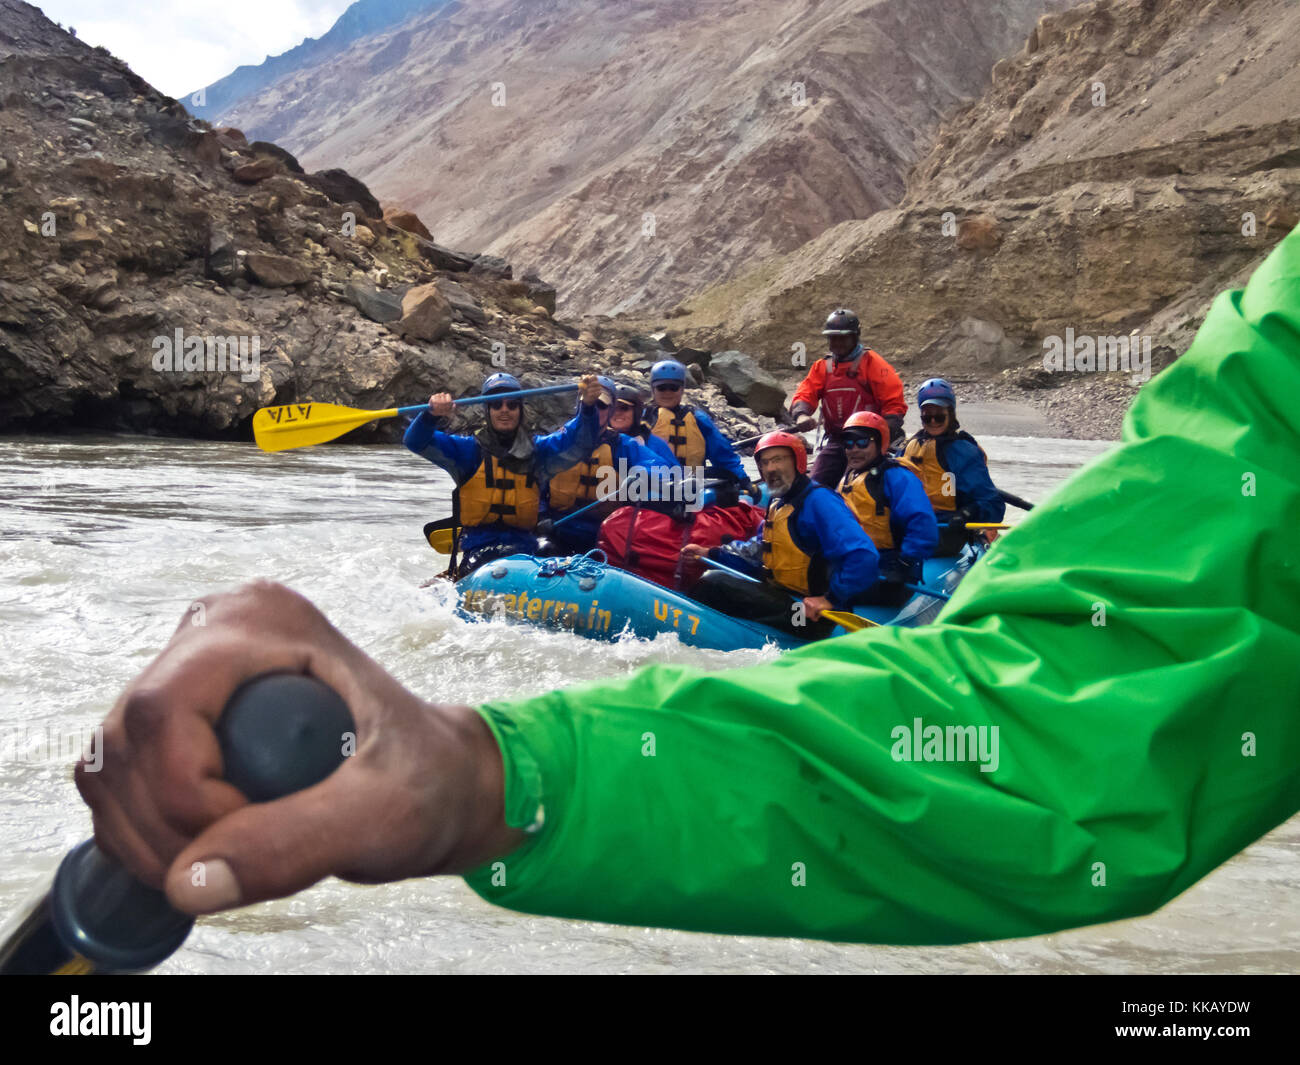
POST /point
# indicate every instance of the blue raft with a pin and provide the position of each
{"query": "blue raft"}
(585, 595)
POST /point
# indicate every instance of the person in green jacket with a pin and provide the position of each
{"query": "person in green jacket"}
(1104, 713)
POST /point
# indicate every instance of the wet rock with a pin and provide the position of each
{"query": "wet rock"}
(745, 383)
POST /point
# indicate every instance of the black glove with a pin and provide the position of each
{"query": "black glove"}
(545, 527)
(960, 518)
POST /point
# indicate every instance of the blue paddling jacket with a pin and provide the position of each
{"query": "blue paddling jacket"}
(825, 529)
(538, 458)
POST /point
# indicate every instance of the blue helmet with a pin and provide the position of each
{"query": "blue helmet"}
(501, 382)
(668, 370)
(936, 390)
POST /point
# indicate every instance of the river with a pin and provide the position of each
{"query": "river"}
(107, 541)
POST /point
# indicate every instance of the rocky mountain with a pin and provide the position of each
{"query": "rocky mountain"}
(1134, 158)
(634, 151)
(160, 275)
(361, 19)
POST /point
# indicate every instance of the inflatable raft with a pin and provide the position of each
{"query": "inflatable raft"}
(585, 595)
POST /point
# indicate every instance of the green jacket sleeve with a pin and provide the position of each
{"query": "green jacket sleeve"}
(1106, 710)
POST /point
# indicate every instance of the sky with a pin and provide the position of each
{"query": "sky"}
(178, 47)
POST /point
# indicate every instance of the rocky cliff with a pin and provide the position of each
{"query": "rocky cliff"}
(159, 275)
(1133, 159)
(635, 151)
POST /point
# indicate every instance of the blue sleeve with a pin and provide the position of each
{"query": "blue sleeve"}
(851, 558)
(572, 443)
(635, 453)
(911, 508)
(744, 556)
(660, 447)
(717, 448)
(458, 455)
(974, 485)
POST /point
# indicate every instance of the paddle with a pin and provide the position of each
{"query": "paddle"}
(278, 734)
(850, 621)
(441, 534)
(1015, 501)
(305, 424)
(978, 525)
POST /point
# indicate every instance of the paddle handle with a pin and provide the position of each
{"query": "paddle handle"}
(279, 733)
(470, 401)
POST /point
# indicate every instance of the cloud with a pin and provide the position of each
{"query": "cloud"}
(179, 47)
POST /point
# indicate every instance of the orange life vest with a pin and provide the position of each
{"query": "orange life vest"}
(495, 496)
(927, 455)
(864, 492)
(578, 484)
(785, 561)
(677, 427)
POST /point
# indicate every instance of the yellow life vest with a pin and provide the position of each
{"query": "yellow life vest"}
(578, 484)
(495, 496)
(926, 456)
(865, 496)
(677, 427)
(785, 561)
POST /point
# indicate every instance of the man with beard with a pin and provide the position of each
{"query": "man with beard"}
(500, 469)
(811, 549)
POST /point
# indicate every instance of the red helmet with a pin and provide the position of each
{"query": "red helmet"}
(869, 419)
(779, 439)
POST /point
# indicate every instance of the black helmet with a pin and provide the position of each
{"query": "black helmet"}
(842, 322)
(632, 395)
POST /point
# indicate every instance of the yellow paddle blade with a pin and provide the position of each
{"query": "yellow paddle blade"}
(986, 525)
(440, 540)
(849, 621)
(304, 424)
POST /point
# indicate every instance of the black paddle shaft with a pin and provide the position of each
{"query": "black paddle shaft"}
(279, 733)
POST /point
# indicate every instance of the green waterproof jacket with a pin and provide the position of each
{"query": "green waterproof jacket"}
(1106, 711)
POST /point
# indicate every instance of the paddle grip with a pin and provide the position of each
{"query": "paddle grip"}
(279, 733)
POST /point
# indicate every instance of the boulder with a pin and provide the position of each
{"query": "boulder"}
(407, 220)
(462, 302)
(426, 314)
(379, 305)
(980, 233)
(492, 266)
(221, 263)
(276, 271)
(257, 170)
(444, 258)
(540, 292)
(745, 383)
(231, 137)
(693, 356)
(342, 187)
(276, 152)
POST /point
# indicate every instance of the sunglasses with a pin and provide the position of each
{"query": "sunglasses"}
(668, 388)
(601, 405)
(625, 405)
(934, 419)
(509, 404)
(858, 441)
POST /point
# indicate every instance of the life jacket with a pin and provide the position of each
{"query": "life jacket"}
(679, 429)
(577, 485)
(846, 391)
(864, 492)
(785, 561)
(928, 454)
(495, 495)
